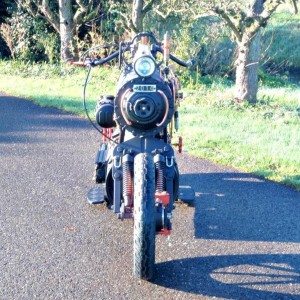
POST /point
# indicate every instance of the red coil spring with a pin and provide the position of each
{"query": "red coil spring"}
(128, 183)
(160, 178)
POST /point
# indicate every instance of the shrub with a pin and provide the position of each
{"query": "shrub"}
(28, 38)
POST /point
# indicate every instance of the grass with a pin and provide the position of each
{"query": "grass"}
(263, 139)
(55, 86)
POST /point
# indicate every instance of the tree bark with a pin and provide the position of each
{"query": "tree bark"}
(137, 16)
(248, 56)
(48, 13)
(247, 68)
(66, 29)
(295, 6)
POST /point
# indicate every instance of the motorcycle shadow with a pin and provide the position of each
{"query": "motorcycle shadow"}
(233, 206)
(234, 276)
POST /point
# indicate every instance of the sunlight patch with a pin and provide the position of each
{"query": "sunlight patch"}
(246, 179)
(271, 277)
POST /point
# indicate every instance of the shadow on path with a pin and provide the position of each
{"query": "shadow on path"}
(18, 117)
(241, 207)
(234, 276)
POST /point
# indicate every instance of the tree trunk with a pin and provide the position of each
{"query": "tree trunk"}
(248, 57)
(247, 68)
(295, 6)
(66, 29)
(137, 16)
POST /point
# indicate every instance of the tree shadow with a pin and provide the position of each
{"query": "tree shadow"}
(19, 118)
(234, 276)
(239, 206)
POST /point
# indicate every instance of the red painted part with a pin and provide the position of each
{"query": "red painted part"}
(165, 232)
(180, 144)
(107, 133)
(144, 40)
(163, 198)
(78, 63)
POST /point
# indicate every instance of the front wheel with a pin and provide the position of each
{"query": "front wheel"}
(144, 216)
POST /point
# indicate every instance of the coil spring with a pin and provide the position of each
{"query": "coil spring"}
(160, 178)
(128, 182)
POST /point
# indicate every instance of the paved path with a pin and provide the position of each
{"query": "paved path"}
(240, 241)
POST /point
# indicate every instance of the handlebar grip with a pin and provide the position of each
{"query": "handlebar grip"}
(98, 62)
(179, 61)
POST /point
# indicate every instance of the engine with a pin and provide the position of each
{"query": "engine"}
(143, 106)
(144, 103)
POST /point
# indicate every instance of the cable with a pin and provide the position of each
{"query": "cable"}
(85, 107)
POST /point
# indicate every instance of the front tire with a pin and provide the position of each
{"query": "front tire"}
(144, 216)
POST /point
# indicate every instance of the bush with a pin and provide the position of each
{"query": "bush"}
(281, 43)
(205, 39)
(29, 38)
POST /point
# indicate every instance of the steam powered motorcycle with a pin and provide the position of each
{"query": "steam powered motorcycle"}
(136, 161)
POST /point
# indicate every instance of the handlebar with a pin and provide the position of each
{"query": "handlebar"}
(155, 47)
(98, 62)
(180, 62)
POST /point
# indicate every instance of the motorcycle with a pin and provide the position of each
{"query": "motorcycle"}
(136, 162)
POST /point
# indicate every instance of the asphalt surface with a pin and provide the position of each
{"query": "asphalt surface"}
(240, 241)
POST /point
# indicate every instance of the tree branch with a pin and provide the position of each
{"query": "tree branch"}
(229, 22)
(29, 6)
(295, 6)
(148, 6)
(169, 12)
(49, 15)
(81, 5)
(161, 14)
(270, 8)
(266, 14)
(127, 22)
(85, 12)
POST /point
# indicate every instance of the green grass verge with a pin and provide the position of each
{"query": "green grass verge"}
(55, 86)
(263, 139)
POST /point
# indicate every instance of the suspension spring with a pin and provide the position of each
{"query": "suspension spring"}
(160, 173)
(127, 167)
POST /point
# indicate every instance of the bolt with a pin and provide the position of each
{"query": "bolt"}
(117, 175)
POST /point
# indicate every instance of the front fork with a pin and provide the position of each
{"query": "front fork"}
(164, 187)
(164, 198)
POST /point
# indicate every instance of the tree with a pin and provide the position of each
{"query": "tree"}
(66, 29)
(295, 6)
(245, 23)
(6, 6)
(66, 17)
(132, 13)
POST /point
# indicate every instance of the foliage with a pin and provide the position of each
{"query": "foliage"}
(29, 39)
(281, 43)
(195, 33)
(274, 81)
(215, 50)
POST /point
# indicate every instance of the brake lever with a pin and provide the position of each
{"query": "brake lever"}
(78, 63)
